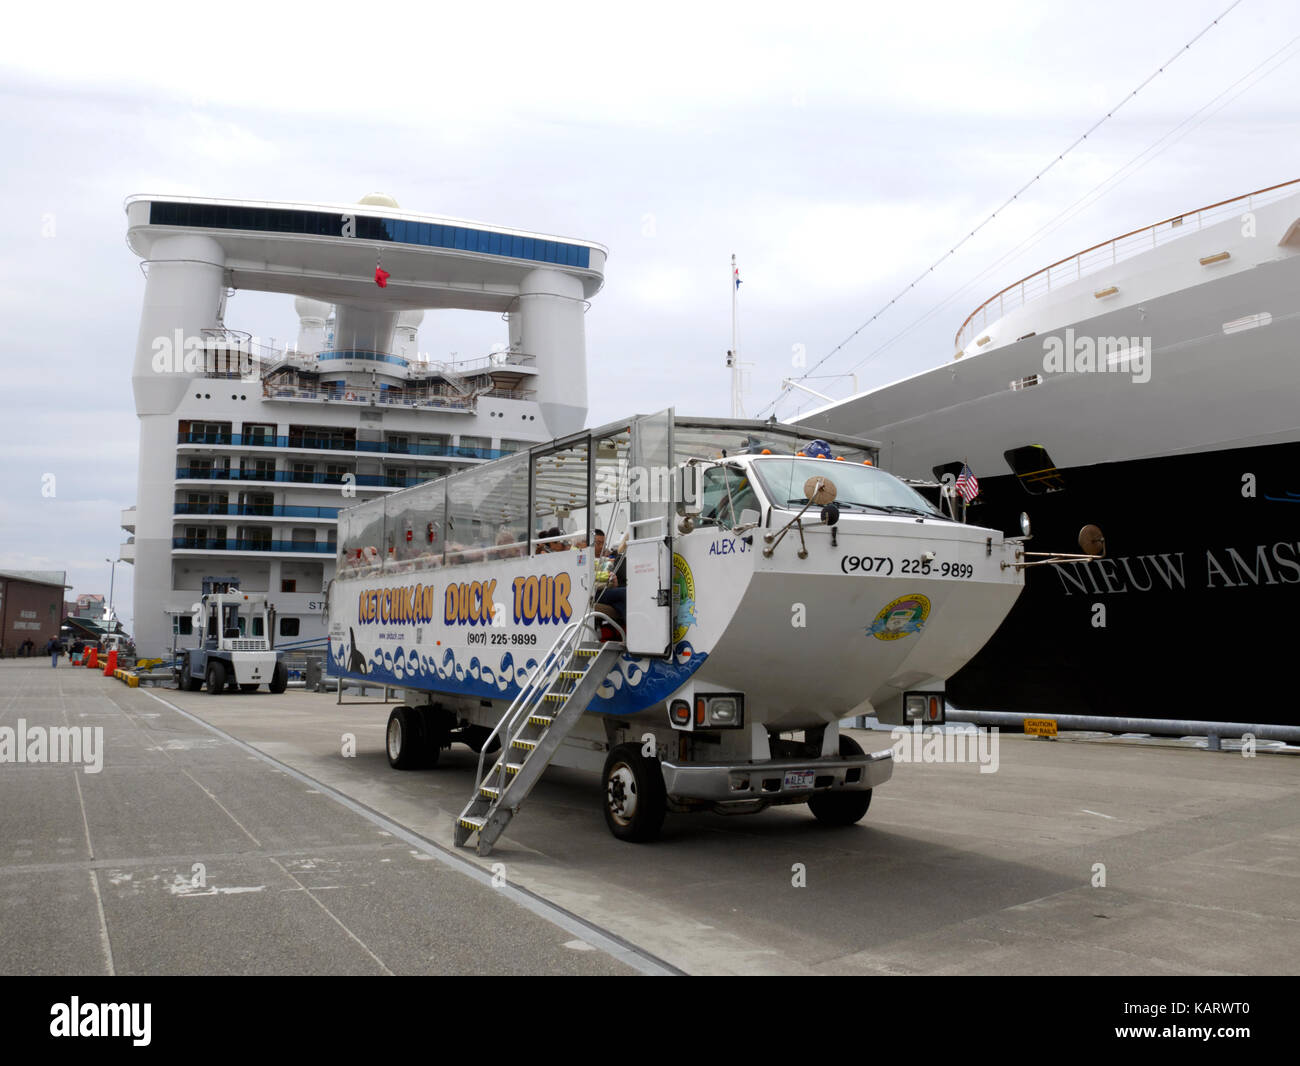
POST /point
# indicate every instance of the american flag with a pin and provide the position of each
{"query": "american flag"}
(968, 487)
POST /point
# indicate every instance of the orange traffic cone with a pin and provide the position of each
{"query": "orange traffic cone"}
(92, 662)
(111, 665)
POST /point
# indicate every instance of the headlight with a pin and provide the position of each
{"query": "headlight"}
(725, 711)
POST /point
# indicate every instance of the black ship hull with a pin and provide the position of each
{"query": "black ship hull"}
(1191, 614)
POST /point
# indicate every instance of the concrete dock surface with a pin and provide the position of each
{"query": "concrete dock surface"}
(231, 835)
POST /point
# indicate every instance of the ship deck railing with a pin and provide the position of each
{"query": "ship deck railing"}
(1108, 253)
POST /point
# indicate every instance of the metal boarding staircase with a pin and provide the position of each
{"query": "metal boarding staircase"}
(533, 727)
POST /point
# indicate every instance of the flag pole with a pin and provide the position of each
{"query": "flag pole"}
(734, 361)
(965, 465)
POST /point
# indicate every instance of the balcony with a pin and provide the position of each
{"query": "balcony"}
(233, 544)
(442, 399)
(128, 519)
(368, 447)
(255, 510)
(379, 481)
(126, 552)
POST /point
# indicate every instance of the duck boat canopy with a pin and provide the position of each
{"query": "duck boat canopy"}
(688, 606)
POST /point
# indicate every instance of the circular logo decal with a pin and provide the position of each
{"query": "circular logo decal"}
(683, 598)
(905, 615)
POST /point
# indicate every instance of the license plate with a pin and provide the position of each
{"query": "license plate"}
(798, 779)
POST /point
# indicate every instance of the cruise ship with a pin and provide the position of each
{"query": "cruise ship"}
(247, 452)
(1148, 385)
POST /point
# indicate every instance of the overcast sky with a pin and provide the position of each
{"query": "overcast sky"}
(837, 151)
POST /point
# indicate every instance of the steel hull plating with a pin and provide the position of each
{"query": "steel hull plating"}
(1188, 617)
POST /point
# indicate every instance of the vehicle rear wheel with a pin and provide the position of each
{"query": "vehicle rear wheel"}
(279, 678)
(841, 808)
(404, 739)
(635, 800)
(216, 679)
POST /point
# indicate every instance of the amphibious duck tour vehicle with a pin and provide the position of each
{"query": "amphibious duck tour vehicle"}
(768, 585)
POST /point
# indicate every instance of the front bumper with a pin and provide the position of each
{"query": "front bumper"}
(727, 782)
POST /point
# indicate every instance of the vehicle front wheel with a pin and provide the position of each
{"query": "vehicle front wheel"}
(216, 679)
(635, 800)
(279, 678)
(841, 808)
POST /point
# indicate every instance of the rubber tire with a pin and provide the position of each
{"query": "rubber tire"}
(841, 808)
(474, 737)
(248, 688)
(404, 726)
(279, 678)
(193, 684)
(431, 744)
(216, 678)
(651, 799)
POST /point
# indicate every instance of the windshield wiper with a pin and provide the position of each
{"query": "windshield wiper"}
(898, 508)
(887, 508)
(891, 508)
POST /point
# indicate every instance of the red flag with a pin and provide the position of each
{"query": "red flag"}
(381, 277)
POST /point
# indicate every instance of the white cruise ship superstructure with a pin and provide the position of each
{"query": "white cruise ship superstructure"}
(247, 453)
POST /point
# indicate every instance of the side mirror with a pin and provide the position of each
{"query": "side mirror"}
(749, 517)
(830, 514)
(819, 491)
(1091, 541)
(1024, 524)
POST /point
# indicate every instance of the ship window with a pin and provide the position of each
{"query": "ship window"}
(288, 585)
(1035, 470)
(288, 627)
(368, 228)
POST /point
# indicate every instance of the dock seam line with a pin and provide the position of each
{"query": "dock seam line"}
(608, 942)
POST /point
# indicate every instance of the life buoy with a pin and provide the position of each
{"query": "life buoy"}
(349, 396)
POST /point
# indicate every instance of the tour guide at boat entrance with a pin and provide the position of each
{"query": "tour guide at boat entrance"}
(685, 606)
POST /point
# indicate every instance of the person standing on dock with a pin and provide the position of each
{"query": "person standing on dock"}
(52, 649)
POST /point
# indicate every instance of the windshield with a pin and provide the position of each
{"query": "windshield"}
(857, 486)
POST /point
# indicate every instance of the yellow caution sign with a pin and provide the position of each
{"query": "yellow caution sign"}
(1040, 727)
